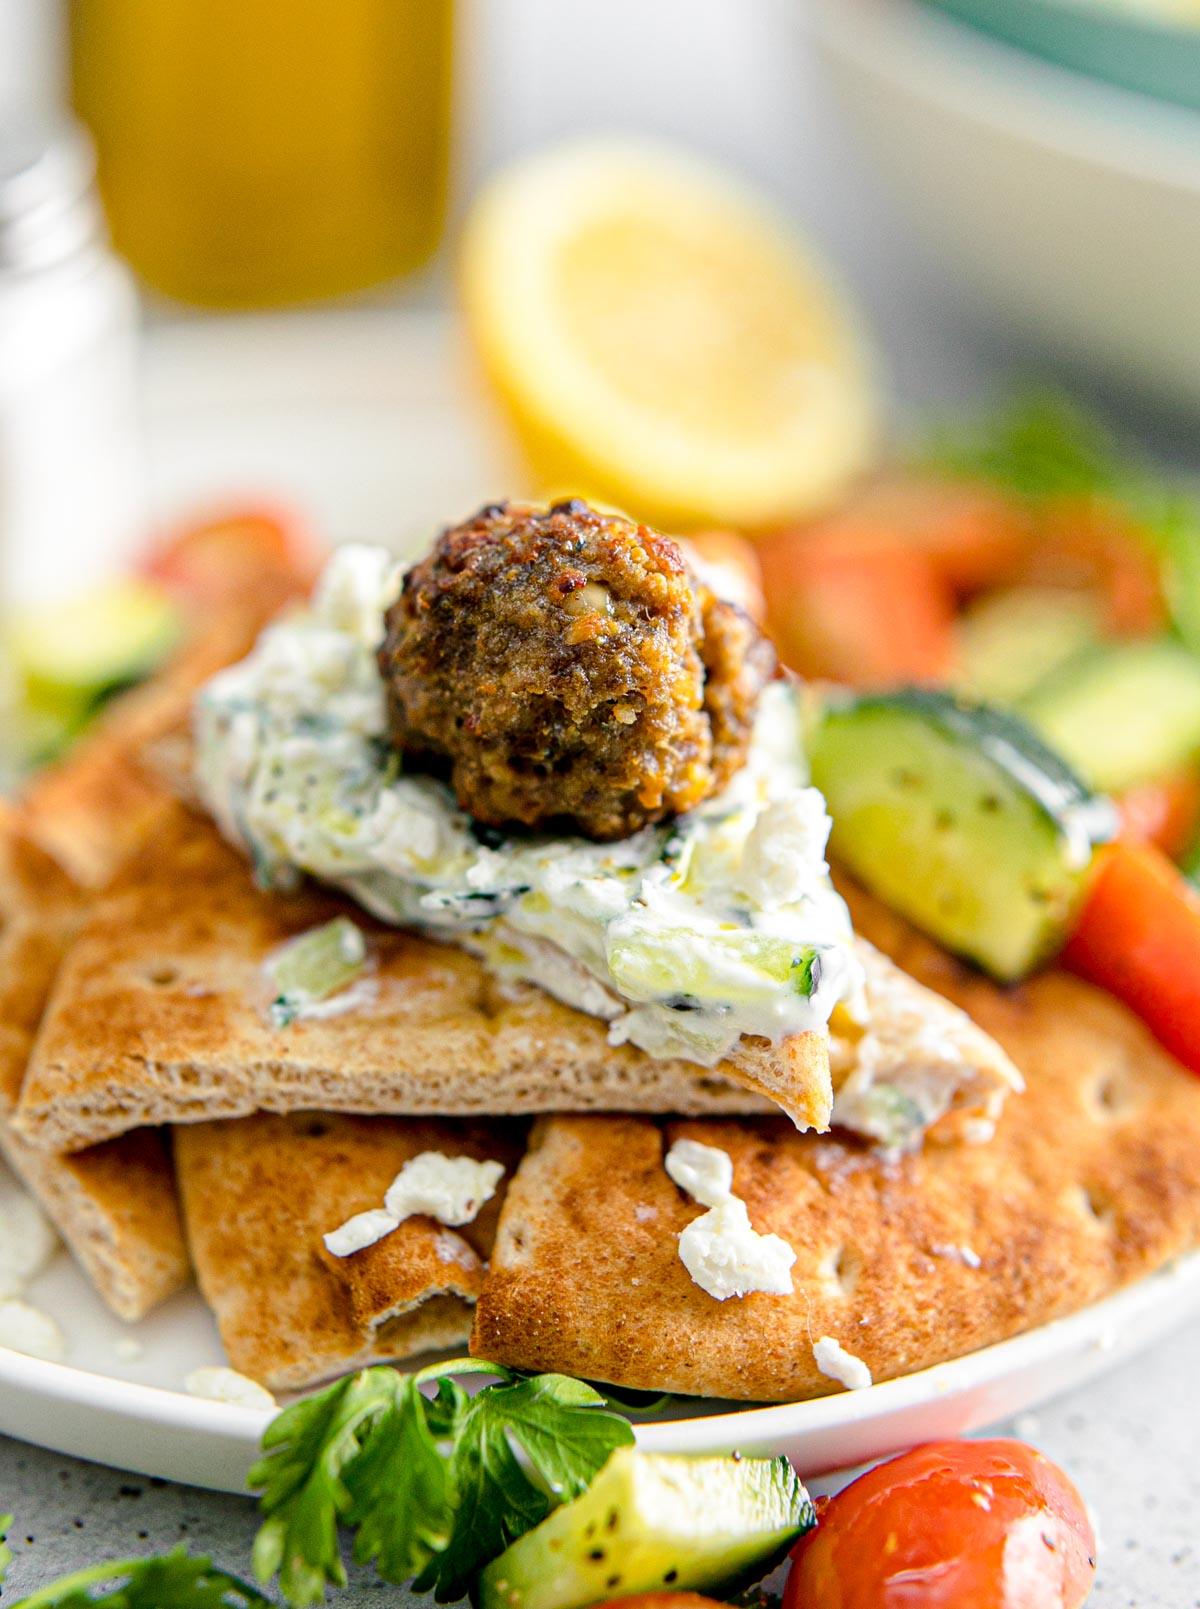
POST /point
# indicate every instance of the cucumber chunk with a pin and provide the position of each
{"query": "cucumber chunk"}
(69, 655)
(960, 818)
(1010, 642)
(654, 1523)
(1124, 714)
(315, 965)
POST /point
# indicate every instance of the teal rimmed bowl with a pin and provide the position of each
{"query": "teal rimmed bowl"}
(1152, 50)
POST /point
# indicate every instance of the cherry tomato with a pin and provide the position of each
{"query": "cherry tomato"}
(237, 552)
(952, 1525)
(664, 1600)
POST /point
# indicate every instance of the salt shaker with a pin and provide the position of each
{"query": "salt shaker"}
(71, 460)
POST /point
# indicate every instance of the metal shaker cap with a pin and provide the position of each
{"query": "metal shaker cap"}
(48, 204)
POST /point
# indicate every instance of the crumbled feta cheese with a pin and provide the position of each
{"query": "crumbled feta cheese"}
(785, 853)
(834, 1361)
(363, 1230)
(29, 1330)
(704, 1171)
(958, 1254)
(644, 1213)
(449, 1188)
(720, 1250)
(227, 1385)
(726, 1257)
(27, 1238)
(128, 1348)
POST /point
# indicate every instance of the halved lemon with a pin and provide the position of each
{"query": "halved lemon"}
(662, 339)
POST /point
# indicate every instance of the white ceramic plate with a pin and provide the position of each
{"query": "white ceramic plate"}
(362, 421)
(1071, 206)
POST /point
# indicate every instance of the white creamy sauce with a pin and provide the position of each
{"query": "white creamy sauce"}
(836, 1363)
(919, 1057)
(721, 1250)
(451, 1189)
(684, 937)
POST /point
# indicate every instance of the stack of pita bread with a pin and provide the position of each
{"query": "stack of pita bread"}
(167, 1125)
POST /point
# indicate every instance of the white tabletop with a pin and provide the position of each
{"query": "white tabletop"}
(734, 78)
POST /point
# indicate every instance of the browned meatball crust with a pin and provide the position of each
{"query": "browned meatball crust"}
(571, 670)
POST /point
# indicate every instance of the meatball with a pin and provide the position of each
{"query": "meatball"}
(570, 671)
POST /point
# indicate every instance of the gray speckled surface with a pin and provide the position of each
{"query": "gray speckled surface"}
(1129, 1441)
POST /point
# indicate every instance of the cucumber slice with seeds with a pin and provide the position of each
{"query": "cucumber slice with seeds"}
(653, 1523)
(959, 817)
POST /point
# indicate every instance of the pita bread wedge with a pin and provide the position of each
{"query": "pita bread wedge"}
(160, 1016)
(1092, 1179)
(114, 1205)
(260, 1193)
(100, 802)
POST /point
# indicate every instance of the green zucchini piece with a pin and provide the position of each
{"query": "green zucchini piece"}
(959, 817)
(70, 655)
(651, 1522)
(315, 965)
(1010, 642)
(1123, 714)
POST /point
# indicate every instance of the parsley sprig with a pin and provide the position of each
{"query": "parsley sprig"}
(172, 1581)
(434, 1485)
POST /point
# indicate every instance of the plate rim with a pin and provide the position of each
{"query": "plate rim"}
(1087, 1329)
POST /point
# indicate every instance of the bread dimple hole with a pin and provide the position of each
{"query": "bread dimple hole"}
(842, 1265)
(1112, 1095)
(1096, 1205)
(163, 977)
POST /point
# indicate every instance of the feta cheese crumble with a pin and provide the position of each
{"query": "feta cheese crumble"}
(451, 1189)
(834, 1361)
(218, 1384)
(27, 1329)
(27, 1238)
(721, 1251)
(359, 1232)
(966, 1255)
(704, 1171)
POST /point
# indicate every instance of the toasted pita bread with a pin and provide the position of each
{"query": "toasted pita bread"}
(114, 1205)
(1092, 1179)
(258, 1196)
(160, 1016)
(101, 801)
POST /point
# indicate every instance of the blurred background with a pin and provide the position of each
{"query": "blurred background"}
(893, 305)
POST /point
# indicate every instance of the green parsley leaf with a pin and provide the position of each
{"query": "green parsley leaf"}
(502, 1495)
(1037, 446)
(6, 1552)
(174, 1581)
(433, 1486)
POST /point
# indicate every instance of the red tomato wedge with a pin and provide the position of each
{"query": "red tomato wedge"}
(1093, 543)
(1165, 813)
(973, 534)
(215, 560)
(1138, 936)
(952, 1525)
(861, 608)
